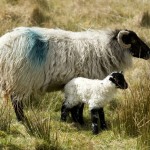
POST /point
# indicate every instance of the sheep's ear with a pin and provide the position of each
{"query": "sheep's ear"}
(121, 72)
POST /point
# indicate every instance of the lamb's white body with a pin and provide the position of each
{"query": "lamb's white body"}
(96, 93)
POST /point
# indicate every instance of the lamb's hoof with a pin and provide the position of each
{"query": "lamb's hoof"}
(104, 127)
(63, 119)
(95, 132)
(81, 123)
(95, 129)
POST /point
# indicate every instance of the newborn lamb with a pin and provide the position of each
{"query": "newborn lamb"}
(96, 93)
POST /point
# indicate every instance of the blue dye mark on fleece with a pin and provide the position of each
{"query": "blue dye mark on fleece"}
(37, 47)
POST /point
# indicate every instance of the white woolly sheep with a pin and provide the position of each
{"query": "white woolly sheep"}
(39, 59)
(96, 93)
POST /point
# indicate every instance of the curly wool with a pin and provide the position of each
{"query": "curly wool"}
(96, 93)
(33, 59)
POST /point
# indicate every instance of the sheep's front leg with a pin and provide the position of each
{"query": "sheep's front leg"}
(94, 118)
(64, 112)
(18, 107)
(102, 119)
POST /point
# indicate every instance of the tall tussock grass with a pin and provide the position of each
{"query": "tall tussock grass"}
(39, 126)
(133, 115)
(38, 119)
(37, 16)
(144, 19)
(44, 4)
(39, 13)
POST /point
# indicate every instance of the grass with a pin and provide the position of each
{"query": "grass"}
(127, 116)
(133, 115)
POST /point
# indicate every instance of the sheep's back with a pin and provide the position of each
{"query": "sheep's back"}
(34, 59)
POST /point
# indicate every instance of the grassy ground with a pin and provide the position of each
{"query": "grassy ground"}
(127, 116)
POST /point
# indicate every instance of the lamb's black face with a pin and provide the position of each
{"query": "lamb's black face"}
(118, 79)
(138, 48)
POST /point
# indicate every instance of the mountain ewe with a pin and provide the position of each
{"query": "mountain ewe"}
(96, 93)
(39, 59)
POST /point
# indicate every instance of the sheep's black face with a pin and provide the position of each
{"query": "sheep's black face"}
(118, 79)
(138, 48)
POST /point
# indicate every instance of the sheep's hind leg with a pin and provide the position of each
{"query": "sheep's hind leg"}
(94, 118)
(64, 112)
(102, 119)
(18, 107)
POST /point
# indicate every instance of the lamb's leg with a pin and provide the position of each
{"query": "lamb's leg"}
(18, 107)
(94, 118)
(64, 112)
(74, 113)
(102, 119)
(77, 113)
(80, 113)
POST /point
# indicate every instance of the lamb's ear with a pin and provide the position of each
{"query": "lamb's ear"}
(122, 35)
(121, 72)
(112, 80)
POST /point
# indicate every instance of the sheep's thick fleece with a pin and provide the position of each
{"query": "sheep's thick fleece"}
(96, 93)
(37, 59)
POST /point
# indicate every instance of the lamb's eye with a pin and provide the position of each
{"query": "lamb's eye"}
(133, 41)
